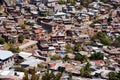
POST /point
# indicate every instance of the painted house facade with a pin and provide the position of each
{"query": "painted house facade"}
(6, 59)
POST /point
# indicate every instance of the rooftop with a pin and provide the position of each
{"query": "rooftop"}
(5, 54)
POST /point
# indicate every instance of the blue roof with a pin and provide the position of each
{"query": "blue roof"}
(5, 54)
(62, 52)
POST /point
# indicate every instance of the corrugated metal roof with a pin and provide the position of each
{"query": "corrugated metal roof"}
(5, 54)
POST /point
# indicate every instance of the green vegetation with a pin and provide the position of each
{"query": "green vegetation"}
(51, 76)
(66, 58)
(14, 49)
(109, 19)
(77, 48)
(68, 48)
(102, 37)
(25, 75)
(55, 57)
(4, 23)
(81, 58)
(61, 2)
(96, 56)
(20, 69)
(11, 48)
(2, 40)
(85, 70)
(114, 75)
(70, 76)
(72, 2)
(40, 66)
(95, 21)
(22, 26)
(104, 1)
(30, 23)
(116, 43)
(34, 76)
(86, 2)
(0, 14)
(21, 38)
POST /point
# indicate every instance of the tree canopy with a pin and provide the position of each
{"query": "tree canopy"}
(25, 75)
(72, 2)
(34, 76)
(66, 58)
(49, 75)
(14, 49)
(68, 48)
(116, 43)
(81, 58)
(103, 38)
(61, 2)
(22, 26)
(85, 70)
(21, 38)
(85, 2)
(77, 48)
(96, 56)
(104, 0)
(114, 75)
(2, 40)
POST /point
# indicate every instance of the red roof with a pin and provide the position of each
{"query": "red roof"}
(37, 31)
(97, 62)
(53, 65)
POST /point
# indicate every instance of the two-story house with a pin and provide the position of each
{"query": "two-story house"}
(6, 59)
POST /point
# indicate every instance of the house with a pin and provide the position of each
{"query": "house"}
(60, 14)
(11, 75)
(48, 2)
(6, 59)
(30, 63)
(113, 52)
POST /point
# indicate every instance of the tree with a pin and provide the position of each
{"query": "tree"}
(85, 2)
(58, 76)
(25, 75)
(109, 19)
(77, 48)
(68, 48)
(81, 58)
(85, 70)
(71, 1)
(40, 65)
(21, 38)
(114, 76)
(48, 75)
(20, 69)
(66, 58)
(116, 43)
(51, 76)
(14, 49)
(34, 76)
(30, 23)
(70, 76)
(55, 57)
(61, 2)
(2, 40)
(22, 26)
(4, 23)
(104, 1)
(97, 56)
(102, 37)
